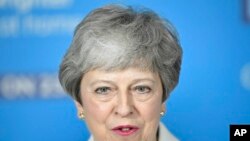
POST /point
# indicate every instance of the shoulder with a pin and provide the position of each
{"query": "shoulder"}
(165, 134)
(91, 138)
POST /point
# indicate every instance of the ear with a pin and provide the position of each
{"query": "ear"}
(163, 107)
(79, 107)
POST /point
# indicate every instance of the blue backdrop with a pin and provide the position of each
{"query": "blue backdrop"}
(214, 88)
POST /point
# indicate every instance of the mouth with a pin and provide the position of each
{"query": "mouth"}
(125, 130)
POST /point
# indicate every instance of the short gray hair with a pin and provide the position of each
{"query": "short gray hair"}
(116, 37)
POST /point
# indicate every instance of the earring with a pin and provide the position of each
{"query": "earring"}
(81, 116)
(162, 113)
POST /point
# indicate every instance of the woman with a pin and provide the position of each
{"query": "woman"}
(120, 69)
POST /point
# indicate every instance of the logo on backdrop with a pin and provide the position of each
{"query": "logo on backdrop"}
(15, 86)
(36, 17)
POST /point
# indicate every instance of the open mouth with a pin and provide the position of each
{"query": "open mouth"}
(125, 130)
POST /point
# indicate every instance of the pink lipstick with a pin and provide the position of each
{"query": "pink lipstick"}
(125, 130)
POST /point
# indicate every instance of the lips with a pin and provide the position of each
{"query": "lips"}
(125, 130)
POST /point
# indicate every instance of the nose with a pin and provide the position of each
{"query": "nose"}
(125, 105)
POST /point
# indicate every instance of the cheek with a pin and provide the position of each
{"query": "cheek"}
(96, 115)
(150, 111)
(95, 110)
(152, 108)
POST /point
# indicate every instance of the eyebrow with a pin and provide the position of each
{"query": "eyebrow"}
(144, 79)
(101, 81)
(113, 83)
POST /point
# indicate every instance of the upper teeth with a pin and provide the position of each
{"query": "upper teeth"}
(125, 129)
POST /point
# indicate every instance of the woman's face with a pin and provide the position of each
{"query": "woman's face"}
(122, 105)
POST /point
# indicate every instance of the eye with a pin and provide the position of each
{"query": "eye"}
(142, 89)
(102, 90)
